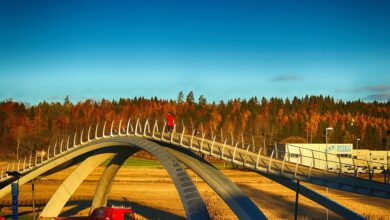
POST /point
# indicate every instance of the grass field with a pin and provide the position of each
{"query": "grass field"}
(147, 163)
(147, 188)
(139, 162)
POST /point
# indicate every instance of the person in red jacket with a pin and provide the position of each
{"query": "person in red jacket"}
(170, 122)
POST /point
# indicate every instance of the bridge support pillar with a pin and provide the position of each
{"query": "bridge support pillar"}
(104, 186)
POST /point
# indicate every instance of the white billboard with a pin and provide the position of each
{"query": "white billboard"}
(339, 148)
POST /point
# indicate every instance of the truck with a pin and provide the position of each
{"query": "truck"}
(105, 213)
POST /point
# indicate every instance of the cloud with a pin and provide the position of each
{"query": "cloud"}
(375, 88)
(378, 97)
(380, 92)
(378, 88)
(283, 78)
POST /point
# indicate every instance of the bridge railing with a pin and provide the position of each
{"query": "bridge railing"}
(243, 155)
(312, 158)
(320, 160)
(236, 150)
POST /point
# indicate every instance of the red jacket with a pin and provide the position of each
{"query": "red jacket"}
(170, 120)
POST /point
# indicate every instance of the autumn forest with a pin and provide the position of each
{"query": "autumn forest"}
(25, 128)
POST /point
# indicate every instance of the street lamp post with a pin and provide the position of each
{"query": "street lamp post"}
(357, 143)
(33, 198)
(326, 157)
(353, 127)
(326, 144)
(326, 136)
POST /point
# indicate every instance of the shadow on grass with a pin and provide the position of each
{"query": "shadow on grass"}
(282, 207)
(145, 211)
(357, 198)
(22, 215)
(81, 204)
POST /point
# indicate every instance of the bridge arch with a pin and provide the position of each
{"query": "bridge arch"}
(240, 204)
(228, 191)
(231, 194)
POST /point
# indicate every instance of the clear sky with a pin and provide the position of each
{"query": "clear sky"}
(221, 49)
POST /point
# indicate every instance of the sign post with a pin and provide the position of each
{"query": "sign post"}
(15, 192)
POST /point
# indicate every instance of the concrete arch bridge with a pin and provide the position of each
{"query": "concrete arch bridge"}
(118, 140)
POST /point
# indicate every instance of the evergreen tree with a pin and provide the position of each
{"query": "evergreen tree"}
(66, 100)
(190, 97)
(202, 100)
(180, 98)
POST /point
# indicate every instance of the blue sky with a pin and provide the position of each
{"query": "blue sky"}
(221, 49)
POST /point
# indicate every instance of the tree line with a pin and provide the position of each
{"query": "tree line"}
(25, 128)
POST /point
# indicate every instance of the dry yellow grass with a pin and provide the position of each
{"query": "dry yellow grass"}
(152, 195)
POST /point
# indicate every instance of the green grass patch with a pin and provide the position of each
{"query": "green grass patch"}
(147, 163)
(139, 162)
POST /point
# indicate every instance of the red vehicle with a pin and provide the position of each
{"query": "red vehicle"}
(105, 213)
